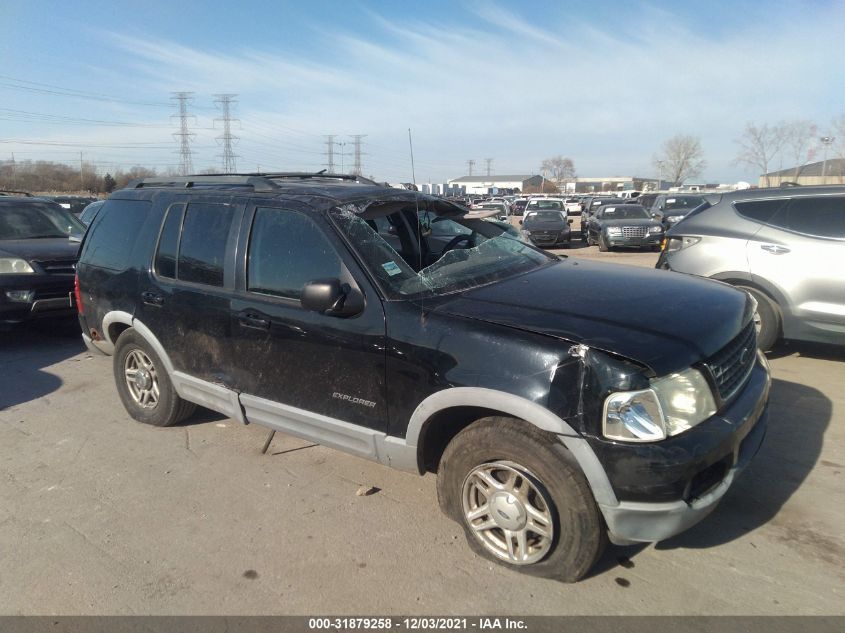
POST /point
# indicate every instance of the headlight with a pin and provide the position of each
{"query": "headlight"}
(14, 266)
(671, 219)
(680, 243)
(614, 230)
(655, 229)
(671, 406)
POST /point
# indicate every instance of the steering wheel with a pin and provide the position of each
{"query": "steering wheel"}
(453, 243)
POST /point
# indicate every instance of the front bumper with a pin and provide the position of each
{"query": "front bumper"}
(699, 466)
(53, 297)
(551, 239)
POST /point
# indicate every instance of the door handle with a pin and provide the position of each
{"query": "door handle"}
(152, 298)
(250, 319)
(775, 249)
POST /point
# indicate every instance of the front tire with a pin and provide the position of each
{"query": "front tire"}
(143, 384)
(603, 245)
(521, 499)
(767, 319)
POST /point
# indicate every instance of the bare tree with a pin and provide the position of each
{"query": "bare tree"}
(681, 158)
(798, 137)
(560, 169)
(759, 145)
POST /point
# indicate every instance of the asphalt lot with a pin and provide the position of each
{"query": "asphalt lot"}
(102, 515)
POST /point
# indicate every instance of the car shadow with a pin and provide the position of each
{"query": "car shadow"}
(821, 351)
(798, 418)
(25, 350)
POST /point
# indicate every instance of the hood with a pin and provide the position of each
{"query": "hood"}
(631, 222)
(545, 224)
(43, 249)
(664, 320)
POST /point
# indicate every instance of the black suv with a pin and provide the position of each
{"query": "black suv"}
(551, 424)
(37, 259)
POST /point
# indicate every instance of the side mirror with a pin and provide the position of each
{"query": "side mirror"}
(520, 221)
(331, 297)
(569, 221)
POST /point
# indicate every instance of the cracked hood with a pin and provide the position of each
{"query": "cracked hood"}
(666, 321)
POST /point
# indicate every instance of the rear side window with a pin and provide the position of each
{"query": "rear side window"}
(165, 262)
(115, 231)
(287, 250)
(822, 216)
(202, 252)
(762, 211)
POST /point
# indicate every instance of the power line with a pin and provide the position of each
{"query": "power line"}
(226, 101)
(186, 164)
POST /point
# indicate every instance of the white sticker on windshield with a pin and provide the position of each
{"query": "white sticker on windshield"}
(391, 268)
(670, 201)
(609, 209)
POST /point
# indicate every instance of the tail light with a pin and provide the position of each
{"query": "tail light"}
(77, 295)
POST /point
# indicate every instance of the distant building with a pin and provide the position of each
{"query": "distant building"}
(616, 183)
(493, 184)
(829, 172)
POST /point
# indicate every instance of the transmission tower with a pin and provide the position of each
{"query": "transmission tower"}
(356, 139)
(330, 153)
(186, 164)
(470, 165)
(489, 162)
(227, 139)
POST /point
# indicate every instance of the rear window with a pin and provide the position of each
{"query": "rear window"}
(114, 232)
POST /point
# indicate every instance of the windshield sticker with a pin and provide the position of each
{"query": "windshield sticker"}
(391, 268)
(610, 209)
(670, 201)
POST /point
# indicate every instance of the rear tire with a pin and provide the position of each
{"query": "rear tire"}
(521, 499)
(767, 319)
(143, 384)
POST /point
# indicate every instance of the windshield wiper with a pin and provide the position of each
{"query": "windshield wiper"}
(39, 237)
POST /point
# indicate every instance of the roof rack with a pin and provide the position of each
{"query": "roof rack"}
(12, 192)
(258, 181)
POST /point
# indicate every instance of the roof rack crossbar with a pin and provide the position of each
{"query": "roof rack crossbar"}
(12, 192)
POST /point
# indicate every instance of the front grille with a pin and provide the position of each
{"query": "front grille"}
(58, 266)
(634, 231)
(732, 364)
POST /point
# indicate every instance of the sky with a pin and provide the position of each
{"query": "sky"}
(604, 83)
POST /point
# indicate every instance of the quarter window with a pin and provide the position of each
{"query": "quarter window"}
(822, 216)
(202, 251)
(763, 211)
(115, 233)
(286, 251)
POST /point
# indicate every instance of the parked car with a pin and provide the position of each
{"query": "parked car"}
(551, 423)
(598, 203)
(518, 206)
(501, 207)
(74, 204)
(669, 209)
(785, 247)
(547, 228)
(573, 206)
(90, 212)
(544, 204)
(627, 225)
(36, 259)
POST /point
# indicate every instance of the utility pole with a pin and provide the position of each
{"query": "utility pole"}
(827, 141)
(470, 165)
(356, 139)
(14, 173)
(489, 162)
(227, 139)
(186, 163)
(330, 153)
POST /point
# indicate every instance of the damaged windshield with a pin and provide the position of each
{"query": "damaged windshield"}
(417, 253)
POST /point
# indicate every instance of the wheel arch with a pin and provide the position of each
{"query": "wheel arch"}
(443, 414)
